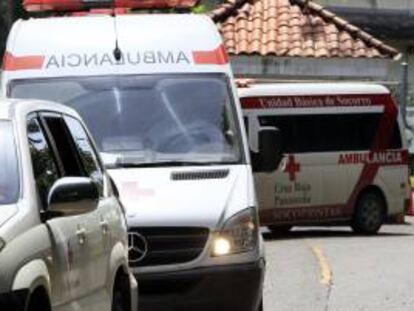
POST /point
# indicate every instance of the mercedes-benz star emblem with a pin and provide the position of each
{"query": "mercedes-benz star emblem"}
(137, 247)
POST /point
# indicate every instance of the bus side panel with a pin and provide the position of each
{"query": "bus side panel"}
(393, 181)
(330, 159)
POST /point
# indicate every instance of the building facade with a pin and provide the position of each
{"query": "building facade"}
(389, 20)
(295, 40)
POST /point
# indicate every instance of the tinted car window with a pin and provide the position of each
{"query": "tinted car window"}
(86, 151)
(9, 174)
(329, 133)
(396, 142)
(44, 166)
(64, 146)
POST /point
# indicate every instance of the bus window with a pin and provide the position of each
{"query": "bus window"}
(328, 133)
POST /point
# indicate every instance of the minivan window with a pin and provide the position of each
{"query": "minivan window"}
(45, 169)
(86, 152)
(9, 173)
(150, 119)
(329, 133)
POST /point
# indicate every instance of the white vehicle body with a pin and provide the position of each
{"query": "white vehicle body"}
(340, 141)
(57, 254)
(179, 203)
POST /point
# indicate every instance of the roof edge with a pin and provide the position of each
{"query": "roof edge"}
(231, 7)
(352, 29)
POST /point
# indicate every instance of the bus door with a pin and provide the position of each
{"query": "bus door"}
(293, 193)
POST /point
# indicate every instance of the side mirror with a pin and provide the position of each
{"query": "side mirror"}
(72, 196)
(270, 152)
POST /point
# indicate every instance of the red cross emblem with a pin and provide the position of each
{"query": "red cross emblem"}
(292, 168)
(133, 191)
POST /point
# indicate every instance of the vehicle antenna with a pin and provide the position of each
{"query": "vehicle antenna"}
(117, 51)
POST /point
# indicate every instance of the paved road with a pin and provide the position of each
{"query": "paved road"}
(331, 269)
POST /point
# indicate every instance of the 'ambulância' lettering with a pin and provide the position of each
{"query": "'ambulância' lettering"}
(95, 60)
(371, 158)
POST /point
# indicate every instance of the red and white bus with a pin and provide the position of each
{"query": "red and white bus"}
(344, 155)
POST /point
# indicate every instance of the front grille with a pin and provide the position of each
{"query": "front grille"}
(166, 245)
(198, 175)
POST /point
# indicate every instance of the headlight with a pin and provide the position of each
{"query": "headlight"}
(2, 244)
(238, 235)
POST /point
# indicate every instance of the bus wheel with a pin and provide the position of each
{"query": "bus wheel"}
(369, 214)
(279, 229)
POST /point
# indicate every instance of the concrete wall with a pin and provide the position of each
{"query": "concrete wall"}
(313, 68)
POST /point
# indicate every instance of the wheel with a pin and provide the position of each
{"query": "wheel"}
(369, 214)
(38, 301)
(121, 298)
(279, 229)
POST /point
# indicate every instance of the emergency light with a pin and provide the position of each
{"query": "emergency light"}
(82, 5)
(117, 11)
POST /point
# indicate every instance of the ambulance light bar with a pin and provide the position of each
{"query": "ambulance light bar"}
(80, 5)
(117, 11)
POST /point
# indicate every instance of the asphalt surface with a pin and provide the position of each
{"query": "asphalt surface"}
(330, 268)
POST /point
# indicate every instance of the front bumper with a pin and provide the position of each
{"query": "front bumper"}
(222, 288)
(15, 300)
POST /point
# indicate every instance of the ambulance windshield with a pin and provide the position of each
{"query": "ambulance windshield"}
(9, 176)
(150, 119)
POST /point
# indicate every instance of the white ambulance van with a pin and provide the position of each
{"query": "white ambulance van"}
(158, 95)
(344, 156)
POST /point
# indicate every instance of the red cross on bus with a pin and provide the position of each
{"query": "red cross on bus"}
(292, 167)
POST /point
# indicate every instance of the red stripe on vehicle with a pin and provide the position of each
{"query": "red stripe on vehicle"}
(215, 57)
(304, 214)
(52, 5)
(314, 101)
(15, 63)
(79, 5)
(381, 142)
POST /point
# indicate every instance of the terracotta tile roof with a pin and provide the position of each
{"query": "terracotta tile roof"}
(288, 28)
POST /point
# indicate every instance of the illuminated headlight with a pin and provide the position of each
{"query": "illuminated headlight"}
(238, 235)
(2, 244)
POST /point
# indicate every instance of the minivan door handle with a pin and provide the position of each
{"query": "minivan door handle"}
(283, 163)
(81, 234)
(104, 226)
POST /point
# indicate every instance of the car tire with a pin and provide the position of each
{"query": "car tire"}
(121, 297)
(369, 213)
(279, 229)
(38, 301)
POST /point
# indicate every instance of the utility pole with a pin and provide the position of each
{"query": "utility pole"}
(404, 87)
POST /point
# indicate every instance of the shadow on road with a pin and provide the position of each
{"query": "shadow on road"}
(306, 233)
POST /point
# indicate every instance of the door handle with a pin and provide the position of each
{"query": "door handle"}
(282, 165)
(81, 234)
(104, 227)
